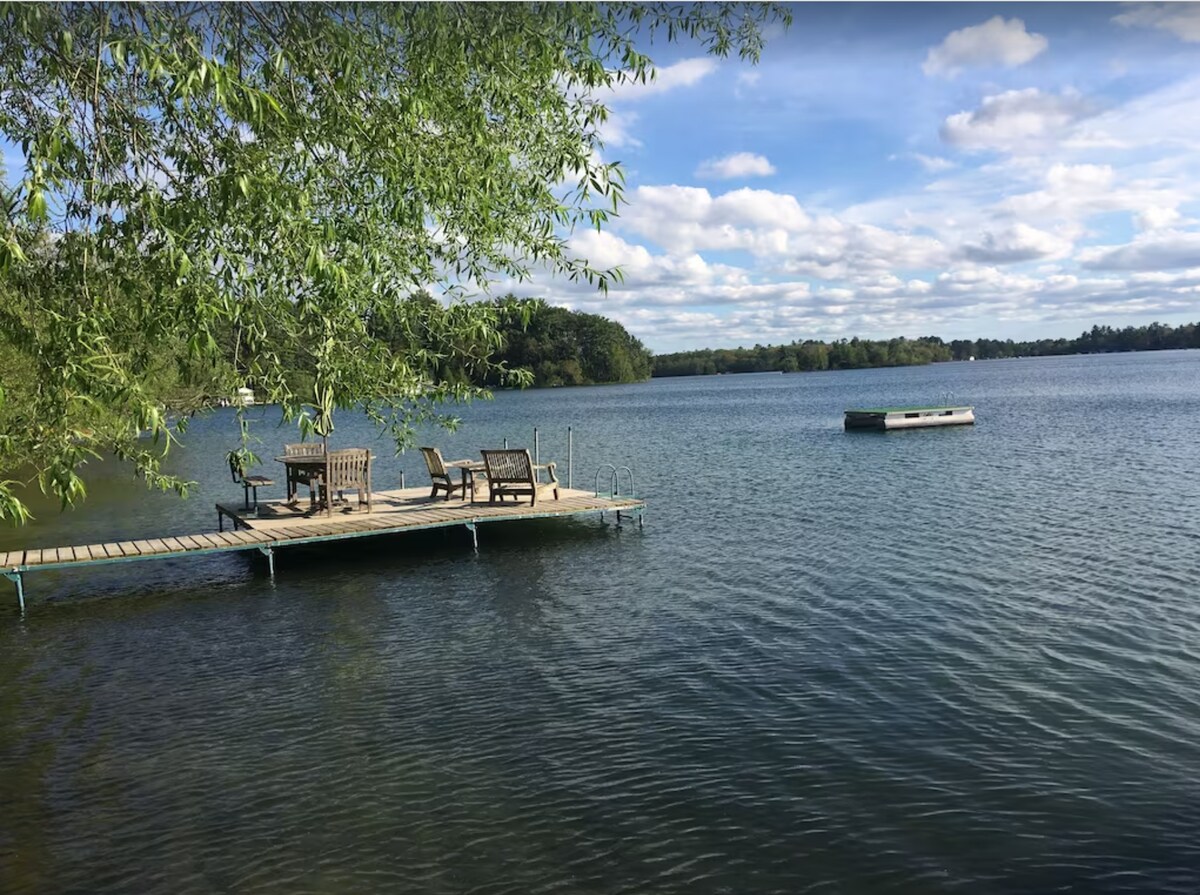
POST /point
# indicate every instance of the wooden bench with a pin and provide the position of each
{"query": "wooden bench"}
(512, 473)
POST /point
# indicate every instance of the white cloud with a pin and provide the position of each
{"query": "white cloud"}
(934, 164)
(684, 73)
(1153, 251)
(1164, 118)
(1020, 242)
(997, 41)
(1075, 192)
(740, 164)
(616, 131)
(1016, 120)
(1181, 19)
(1157, 217)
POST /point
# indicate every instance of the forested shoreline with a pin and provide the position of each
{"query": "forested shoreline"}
(851, 354)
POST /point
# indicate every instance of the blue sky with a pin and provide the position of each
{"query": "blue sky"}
(962, 170)
(1008, 170)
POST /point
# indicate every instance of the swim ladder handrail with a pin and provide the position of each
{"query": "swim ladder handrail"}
(614, 481)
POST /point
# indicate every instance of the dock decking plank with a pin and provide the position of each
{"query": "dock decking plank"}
(13, 558)
(293, 533)
(243, 537)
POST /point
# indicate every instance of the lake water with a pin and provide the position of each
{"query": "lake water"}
(960, 660)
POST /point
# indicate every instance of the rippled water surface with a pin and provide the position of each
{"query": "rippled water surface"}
(957, 660)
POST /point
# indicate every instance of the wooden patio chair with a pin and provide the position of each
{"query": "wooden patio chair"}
(296, 475)
(248, 482)
(347, 470)
(439, 474)
(512, 473)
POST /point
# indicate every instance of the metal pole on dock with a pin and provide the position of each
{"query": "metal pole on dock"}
(506, 444)
(570, 456)
(536, 451)
(402, 480)
(474, 536)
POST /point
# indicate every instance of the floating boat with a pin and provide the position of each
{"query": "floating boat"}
(909, 417)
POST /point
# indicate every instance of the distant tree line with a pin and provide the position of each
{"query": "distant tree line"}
(806, 356)
(537, 344)
(1097, 340)
(850, 354)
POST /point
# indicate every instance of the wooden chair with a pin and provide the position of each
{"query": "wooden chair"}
(513, 474)
(297, 476)
(347, 470)
(248, 482)
(439, 474)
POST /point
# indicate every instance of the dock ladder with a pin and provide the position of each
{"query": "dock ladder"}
(615, 481)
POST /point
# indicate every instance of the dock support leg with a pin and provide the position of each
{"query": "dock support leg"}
(269, 552)
(15, 578)
(474, 536)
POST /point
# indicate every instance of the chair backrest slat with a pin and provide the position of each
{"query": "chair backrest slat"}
(306, 449)
(508, 466)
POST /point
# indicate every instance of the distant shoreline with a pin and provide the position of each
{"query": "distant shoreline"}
(856, 354)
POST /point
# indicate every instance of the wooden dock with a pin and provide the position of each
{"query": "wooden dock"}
(274, 524)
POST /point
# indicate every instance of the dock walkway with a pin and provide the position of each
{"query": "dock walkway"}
(275, 524)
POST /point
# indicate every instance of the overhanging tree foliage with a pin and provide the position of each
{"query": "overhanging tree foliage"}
(275, 176)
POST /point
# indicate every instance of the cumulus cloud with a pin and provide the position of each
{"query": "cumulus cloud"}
(775, 228)
(740, 164)
(1020, 242)
(1016, 120)
(1075, 192)
(1181, 19)
(685, 73)
(1154, 251)
(998, 41)
(1157, 218)
(617, 130)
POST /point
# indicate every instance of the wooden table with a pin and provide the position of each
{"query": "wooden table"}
(310, 467)
(468, 469)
